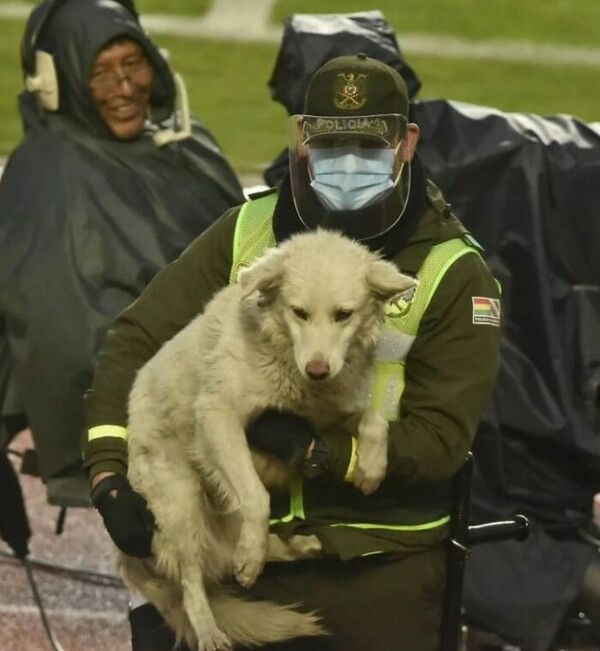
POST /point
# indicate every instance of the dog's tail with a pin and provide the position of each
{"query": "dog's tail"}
(251, 623)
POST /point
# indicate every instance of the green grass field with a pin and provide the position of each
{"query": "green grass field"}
(227, 81)
(549, 21)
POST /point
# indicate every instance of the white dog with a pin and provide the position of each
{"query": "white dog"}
(298, 332)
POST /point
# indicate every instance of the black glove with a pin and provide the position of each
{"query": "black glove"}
(288, 437)
(126, 516)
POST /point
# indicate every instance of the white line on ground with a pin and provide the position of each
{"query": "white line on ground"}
(523, 51)
(240, 20)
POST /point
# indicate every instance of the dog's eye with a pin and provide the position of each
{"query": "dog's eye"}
(343, 315)
(300, 313)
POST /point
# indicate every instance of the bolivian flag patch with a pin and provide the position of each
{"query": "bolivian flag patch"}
(486, 310)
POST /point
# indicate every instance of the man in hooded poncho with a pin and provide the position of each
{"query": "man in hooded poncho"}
(107, 186)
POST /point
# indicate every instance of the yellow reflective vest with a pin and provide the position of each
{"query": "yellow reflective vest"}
(253, 235)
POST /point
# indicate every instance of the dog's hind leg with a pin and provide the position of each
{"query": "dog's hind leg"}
(141, 577)
(222, 451)
(199, 612)
(181, 542)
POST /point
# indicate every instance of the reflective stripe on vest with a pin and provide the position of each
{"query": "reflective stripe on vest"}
(254, 234)
(401, 326)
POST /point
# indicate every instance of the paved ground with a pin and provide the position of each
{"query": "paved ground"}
(83, 616)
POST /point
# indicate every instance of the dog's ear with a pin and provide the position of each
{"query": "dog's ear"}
(385, 281)
(264, 275)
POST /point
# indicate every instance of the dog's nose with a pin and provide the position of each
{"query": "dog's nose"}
(317, 370)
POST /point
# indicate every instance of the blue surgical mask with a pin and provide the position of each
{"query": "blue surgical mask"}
(351, 177)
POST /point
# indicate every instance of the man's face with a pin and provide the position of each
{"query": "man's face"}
(121, 84)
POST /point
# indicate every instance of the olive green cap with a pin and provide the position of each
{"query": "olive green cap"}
(356, 85)
(359, 97)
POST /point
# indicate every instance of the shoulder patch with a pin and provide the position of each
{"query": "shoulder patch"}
(400, 306)
(486, 310)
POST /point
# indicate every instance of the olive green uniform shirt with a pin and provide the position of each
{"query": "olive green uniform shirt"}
(450, 369)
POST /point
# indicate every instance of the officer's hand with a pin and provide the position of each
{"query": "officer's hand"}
(126, 516)
(287, 436)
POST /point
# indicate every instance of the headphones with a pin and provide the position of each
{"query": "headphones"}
(182, 127)
(38, 66)
(41, 78)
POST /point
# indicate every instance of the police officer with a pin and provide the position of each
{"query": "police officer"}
(353, 169)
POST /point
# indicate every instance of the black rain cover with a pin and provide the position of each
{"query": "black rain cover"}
(527, 187)
(85, 222)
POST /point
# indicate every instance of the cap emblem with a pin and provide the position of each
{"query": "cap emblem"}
(350, 90)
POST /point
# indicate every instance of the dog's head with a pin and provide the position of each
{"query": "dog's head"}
(325, 295)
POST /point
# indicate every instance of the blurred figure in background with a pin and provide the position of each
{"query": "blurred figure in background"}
(109, 184)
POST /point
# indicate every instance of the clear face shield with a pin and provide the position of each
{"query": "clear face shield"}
(348, 174)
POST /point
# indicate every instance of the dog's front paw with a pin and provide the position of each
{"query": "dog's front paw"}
(214, 640)
(370, 466)
(367, 484)
(249, 556)
(371, 461)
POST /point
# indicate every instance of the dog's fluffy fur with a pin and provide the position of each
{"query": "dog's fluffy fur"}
(298, 332)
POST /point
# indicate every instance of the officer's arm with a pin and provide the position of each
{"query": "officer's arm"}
(450, 372)
(174, 297)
